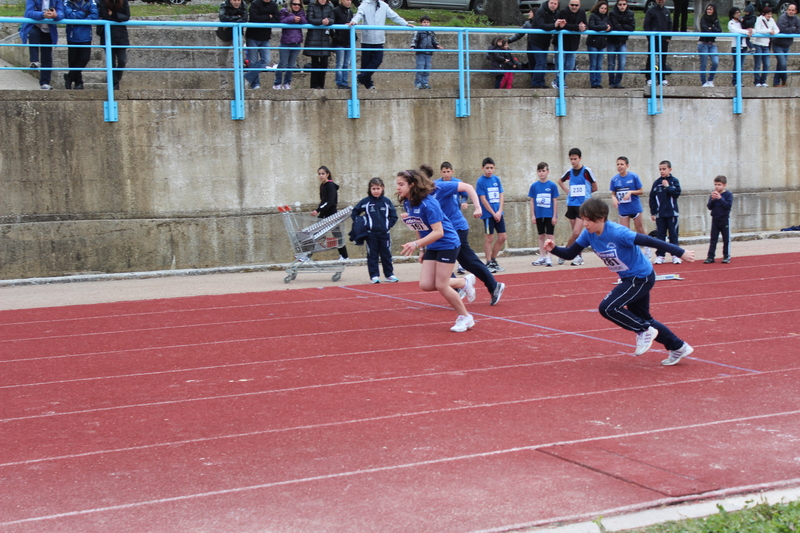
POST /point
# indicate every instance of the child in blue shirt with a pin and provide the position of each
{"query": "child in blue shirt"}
(434, 231)
(626, 187)
(544, 210)
(720, 204)
(582, 184)
(628, 305)
(490, 191)
(380, 216)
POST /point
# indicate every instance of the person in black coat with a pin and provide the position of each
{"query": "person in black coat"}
(342, 14)
(598, 21)
(229, 11)
(257, 39)
(318, 42)
(621, 19)
(328, 200)
(546, 18)
(115, 11)
(657, 19)
(575, 18)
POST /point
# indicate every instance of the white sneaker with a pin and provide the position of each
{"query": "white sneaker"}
(286, 86)
(469, 287)
(45, 87)
(578, 261)
(560, 260)
(644, 340)
(659, 260)
(710, 83)
(277, 87)
(676, 261)
(677, 355)
(706, 84)
(649, 83)
(463, 323)
(664, 83)
(341, 258)
(540, 262)
(548, 262)
(392, 279)
(376, 279)
(648, 253)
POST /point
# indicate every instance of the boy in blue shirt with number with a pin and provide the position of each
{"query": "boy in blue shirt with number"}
(490, 191)
(626, 187)
(582, 184)
(544, 210)
(628, 305)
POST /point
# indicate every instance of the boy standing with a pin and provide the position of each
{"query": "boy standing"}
(628, 304)
(626, 188)
(490, 192)
(581, 186)
(544, 210)
(720, 205)
(664, 208)
(424, 42)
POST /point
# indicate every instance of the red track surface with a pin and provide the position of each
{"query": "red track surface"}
(356, 409)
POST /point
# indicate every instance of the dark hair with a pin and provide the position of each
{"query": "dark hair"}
(766, 10)
(374, 181)
(575, 151)
(487, 161)
(446, 164)
(328, 172)
(421, 186)
(542, 166)
(732, 11)
(594, 209)
(623, 158)
(665, 162)
(499, 42)
(423, 18)
(427, 169)
(721, 179)
(596, 7)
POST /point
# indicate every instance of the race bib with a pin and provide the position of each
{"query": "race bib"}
(493, 195)
(621, 196)
(612, 261)
(577, 191)
(544, 200)
(416, 223)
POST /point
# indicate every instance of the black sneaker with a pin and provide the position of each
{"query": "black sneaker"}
(67, 82)
(708, 261)
(497, 267)
(498, 292)
(491, 267)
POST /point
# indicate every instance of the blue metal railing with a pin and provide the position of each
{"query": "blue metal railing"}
(462, 51)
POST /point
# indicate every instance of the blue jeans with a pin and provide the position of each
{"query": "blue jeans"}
(708, 51)
(342, 62)
(539, 66)
(257, 53)
(595, 63)
(37, 36)
(616, 63)
(781, 57)
(761, 64)
(569, 64)
(423, 70)
(288, 59)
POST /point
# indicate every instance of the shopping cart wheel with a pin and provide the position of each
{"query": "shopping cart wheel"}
(337, 276)
(287, 279)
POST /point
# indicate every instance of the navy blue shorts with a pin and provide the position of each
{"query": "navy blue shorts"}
(490, 225)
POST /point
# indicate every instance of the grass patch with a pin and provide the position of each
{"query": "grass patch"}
(755, 518)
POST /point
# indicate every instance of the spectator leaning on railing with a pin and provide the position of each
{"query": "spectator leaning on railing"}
(257, 39)
(115, 11)
(575, 18)
(373, 13)
(546, 18)
(79, 39)
(622, 19)
(765, 26)
(735, 26)
(44, 34)
(229, 11)
(788, 24)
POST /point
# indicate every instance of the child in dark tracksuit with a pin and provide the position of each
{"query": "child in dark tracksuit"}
(720, 204)
(664, 207)
(380, 215)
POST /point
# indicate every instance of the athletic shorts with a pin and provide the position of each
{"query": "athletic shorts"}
(544, 226)
(573, 212)
(633, 216)
(442, 256)
(490, 225)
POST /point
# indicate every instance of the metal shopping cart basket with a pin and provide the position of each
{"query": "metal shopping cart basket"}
(310, 235)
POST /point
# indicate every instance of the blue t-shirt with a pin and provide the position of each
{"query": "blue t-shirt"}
(616, 249)
(543, 195)
(620, 186)
(580, 185)
(446, 192)
(428, 212)
(491, 188)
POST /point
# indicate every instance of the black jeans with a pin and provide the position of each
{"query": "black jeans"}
(318, 77)
(681, 13)
(371, 59)
(77, 59)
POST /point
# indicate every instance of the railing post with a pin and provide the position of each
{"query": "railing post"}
(737, 62)
(110, 109)
(237, 104)
(652, 103)
(461, 102)
(561, 102)
(353, 105)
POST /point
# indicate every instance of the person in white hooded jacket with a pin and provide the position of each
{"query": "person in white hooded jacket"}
(764, 25)
(735, 26)
(373, 13)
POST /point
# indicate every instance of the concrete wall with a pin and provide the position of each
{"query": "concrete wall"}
(177, 184)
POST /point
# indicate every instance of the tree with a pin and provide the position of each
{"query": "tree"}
(503, 12)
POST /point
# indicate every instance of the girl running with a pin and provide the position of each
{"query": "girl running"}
(437, 241)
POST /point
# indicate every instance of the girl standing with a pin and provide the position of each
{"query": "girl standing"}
(291, 41)
(328, 198)
(379, 217)
(598, 21)
(707, 46)
(765, 25)
(438, 242)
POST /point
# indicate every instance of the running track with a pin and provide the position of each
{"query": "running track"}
(355, 409)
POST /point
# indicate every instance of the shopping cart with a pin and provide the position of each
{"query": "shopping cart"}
(310, 235)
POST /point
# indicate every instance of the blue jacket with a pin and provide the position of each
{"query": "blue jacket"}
(721, 209)
(664, 200)
(380, 214)
(33, 10)
(80, 10)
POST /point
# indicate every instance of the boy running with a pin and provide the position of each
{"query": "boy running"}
(628, 305)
